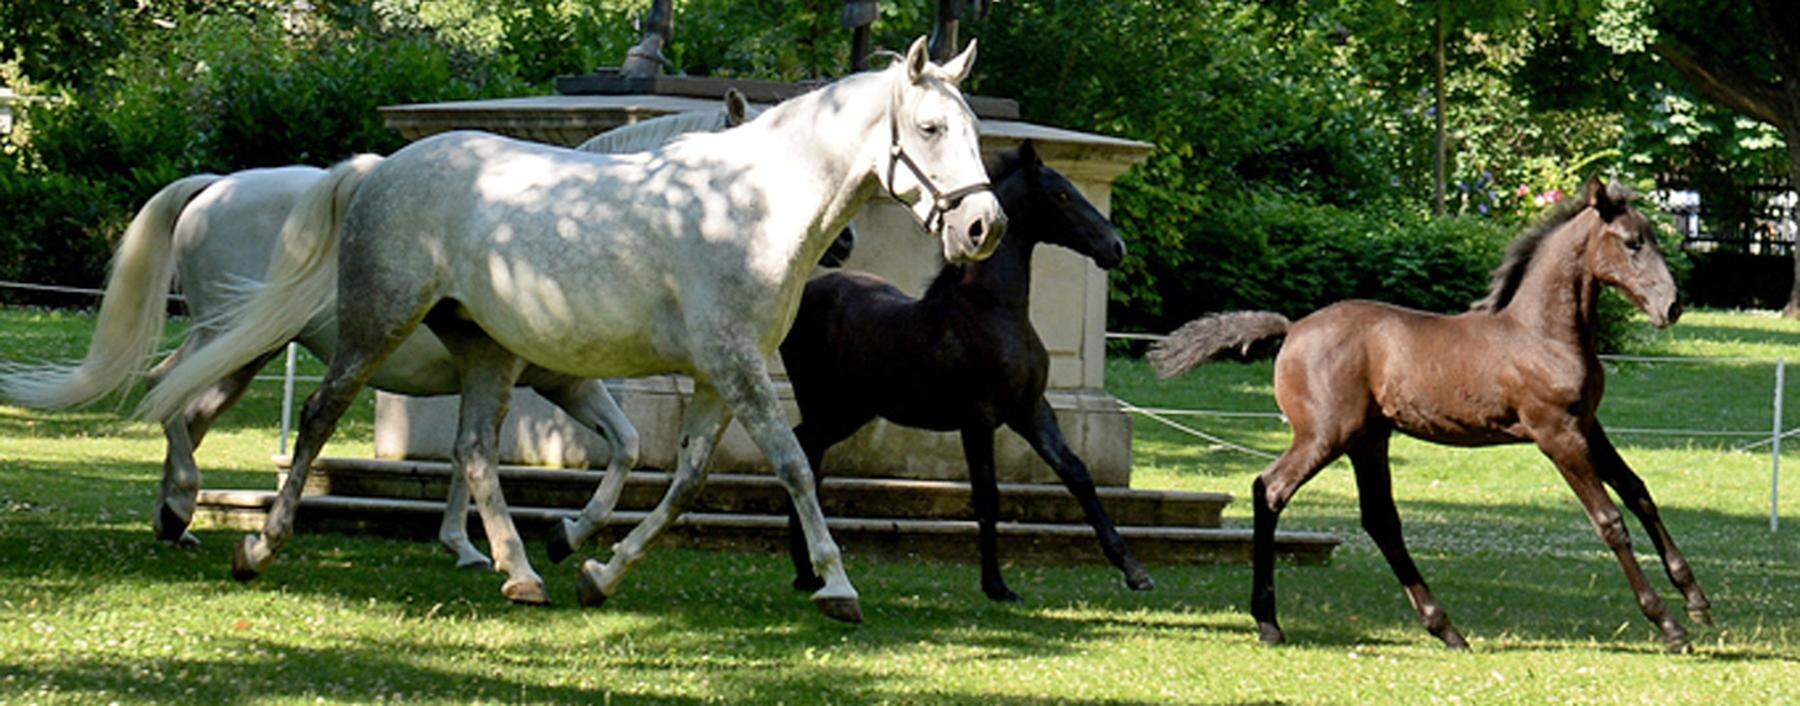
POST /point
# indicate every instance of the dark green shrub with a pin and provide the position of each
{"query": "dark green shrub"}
(1293, 256)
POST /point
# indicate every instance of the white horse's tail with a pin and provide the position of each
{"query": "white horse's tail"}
(132, 312)
(301, 283)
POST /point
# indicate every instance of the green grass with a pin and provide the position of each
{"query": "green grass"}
(92, 610)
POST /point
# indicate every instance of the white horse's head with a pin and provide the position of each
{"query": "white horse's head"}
(932, 163)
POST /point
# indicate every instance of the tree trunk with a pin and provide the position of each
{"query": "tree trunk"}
(1441, 138)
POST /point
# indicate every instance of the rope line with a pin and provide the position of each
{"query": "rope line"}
(1129, 407)
(67, 290)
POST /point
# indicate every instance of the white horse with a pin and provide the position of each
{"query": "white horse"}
(689, 259)
(217, 233)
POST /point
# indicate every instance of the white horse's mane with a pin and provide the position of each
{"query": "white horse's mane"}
(654, 132)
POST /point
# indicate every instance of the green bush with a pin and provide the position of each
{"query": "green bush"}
(1291, 255)
(54, 226)
(218, 93)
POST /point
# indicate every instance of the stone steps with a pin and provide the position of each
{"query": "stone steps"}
(868, 516)
(755, 494)
(952, 539)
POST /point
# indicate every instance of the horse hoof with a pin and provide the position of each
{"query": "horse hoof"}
(847, 610)
(476, 563)
(1702, 616)
(587, 590)
(1455, 642)
(242, 568)
(1270, 634)
(557, 545)
(171, 527)
(187, 540)
(808, 583)
(1002, 595)
(525, 592)
(1678, 645)
(1140, 582)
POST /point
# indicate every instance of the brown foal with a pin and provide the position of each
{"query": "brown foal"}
(1520, 366)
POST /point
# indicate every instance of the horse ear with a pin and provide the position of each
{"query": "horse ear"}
(959, 67)
(737, 107)
(917, 61)
(1604, 200)
(1028, 154)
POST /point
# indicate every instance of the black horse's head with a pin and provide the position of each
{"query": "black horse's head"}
(1044, 206)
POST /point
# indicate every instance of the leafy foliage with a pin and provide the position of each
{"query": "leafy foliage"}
(1293, 139)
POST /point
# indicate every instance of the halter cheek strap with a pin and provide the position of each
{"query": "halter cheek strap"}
(942, 202)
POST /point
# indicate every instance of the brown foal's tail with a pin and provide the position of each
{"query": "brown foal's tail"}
(1214, 336)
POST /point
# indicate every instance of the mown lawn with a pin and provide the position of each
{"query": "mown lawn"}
(92, 610)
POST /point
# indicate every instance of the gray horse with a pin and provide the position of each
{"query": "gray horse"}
(689, 259)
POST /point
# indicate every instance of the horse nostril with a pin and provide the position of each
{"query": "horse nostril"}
(1674, 311)
(1118, 252)
(975, 232)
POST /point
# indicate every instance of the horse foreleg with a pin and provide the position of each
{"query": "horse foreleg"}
(1573, 457)
(743, 380)
(984, 491)
(1631, 490)
(488, 373)
(588, 402)
(813, 443)
(1375, 493)
(1269, 494)
(453, 530)
(1046, 438)
(701, 425)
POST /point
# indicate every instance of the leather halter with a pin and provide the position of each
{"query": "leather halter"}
(942, 202)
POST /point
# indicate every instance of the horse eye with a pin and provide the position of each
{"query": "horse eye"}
(1635, 244)
(931, 130)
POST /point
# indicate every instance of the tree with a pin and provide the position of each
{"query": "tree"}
(1743, 56)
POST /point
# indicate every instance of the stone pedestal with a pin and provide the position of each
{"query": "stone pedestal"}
(1068, 309)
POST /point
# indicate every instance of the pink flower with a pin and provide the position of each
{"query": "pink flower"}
(1523, 191)
(1548, 197)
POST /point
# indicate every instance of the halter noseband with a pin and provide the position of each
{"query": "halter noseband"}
(941, 201)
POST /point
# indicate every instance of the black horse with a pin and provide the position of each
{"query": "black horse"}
(963, 358)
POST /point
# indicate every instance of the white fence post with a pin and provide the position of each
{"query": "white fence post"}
(287, 397)
(1775, 448)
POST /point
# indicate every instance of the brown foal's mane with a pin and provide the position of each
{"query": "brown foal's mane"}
(1524, 248)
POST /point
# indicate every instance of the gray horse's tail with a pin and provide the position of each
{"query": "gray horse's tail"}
(1234, 334)
(132, 312)
(301, 283)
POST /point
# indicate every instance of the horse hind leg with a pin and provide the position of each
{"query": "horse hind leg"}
(1269, 495)
(1375, 493)
(178, 493)
(368, 333)
(588, 402)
